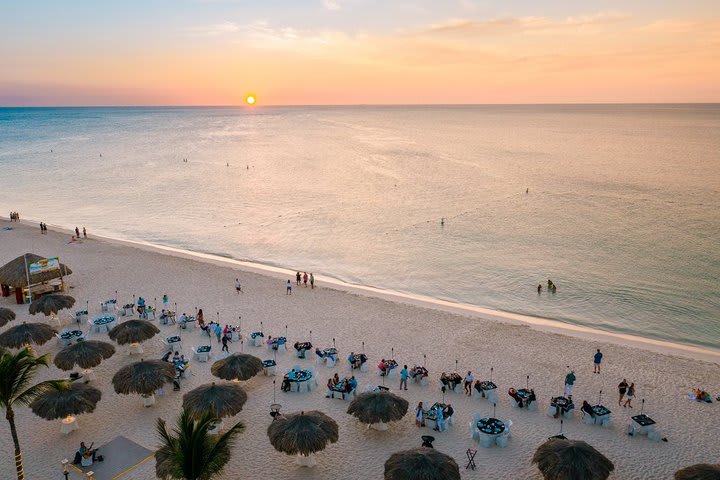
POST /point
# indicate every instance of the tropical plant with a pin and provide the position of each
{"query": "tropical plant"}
(189, 452)
(16, 373)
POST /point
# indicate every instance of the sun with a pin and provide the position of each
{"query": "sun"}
(250, 99)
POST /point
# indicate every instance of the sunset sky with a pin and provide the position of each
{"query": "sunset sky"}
(215, 52)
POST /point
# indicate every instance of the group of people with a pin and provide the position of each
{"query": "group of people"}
(301, 348)
(451, 380)
(335, 384)
(323, 355)
(275, 342)
(626, 392)
(442, 414)
(305, 278)
(43, 228)
(14, 217)
(550, 287)
(701, 395)
(522, 402)
(385, 366)
(356, 361)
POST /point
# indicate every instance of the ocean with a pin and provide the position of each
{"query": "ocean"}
(618, 204)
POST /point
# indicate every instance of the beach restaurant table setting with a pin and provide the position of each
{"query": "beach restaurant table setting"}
(643, 425)
(108, 305)
(257, 338)
(173, 343)
(102, 323)
(490, 431)
(269, 367)
(560, 406)
(202, 353)
(301, 377)
(487, 389)
(68, 337)
(602, 416)
(431, 414)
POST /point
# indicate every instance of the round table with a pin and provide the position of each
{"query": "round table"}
(491, 426)
(103, 322)
(300, 376)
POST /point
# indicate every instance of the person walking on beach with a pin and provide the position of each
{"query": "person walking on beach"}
(596, 361)
(403, 377)
(218, 333)
(629, 396)
(569, 384)
(165, 301)
(305, 279)
(622, 388)
(42, 229)
(84, 233)
(297, 278)
(289, 288)
(238, 287)
(468, 383)
(77, 232)
(539, 288)
(225, 343)
(312, 281)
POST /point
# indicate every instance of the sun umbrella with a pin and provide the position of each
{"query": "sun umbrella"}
(378, 407)
(133, 331)
(65, 399)
(220, 400)
(701, 471)
(15, 272)
(25, 334)
(302, 433)
(568, 459)
(238, 366)
(6, 315)
(51, 304)
(85, 354)
(421, 464)
(143, 377)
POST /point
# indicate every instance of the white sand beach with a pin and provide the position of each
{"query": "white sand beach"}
(663, 374)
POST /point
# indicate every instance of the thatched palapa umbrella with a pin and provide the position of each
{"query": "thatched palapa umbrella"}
(421, 464)
(66, 399)
(6, 315)
(133, 331)
(378, 408)
(143, 377)
(559, 459)
(303, 434)
(51, 304)
(24, 334)
(219, 400)
(701, 471)
(238, 366)
(15, 273)
(85, 354)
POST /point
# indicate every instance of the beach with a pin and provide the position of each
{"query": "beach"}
(409, 327)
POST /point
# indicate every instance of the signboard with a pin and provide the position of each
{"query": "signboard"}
(46, 265)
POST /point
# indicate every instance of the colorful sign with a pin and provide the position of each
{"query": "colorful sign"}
(47, 265)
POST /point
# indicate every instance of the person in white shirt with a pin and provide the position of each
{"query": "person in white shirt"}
(468, 382)
(183, 321)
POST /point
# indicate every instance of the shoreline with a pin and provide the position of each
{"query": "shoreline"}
(464, 309)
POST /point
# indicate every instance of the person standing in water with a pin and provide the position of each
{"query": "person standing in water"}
(539, 289)
(305, 279)
(77, 232)
(312, 281)
(297, 278)
(84, 233)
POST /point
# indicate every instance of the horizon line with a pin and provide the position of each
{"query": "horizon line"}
(241, 105)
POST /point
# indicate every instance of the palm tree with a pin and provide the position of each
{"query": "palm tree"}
(189, 453)
(16, 372)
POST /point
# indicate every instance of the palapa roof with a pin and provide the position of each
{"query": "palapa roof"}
(219, 400)
(85, 354)
(701, 471)
(559, 459)
(66, 398)
(6, 315)
(375, 407)
(421, 464)
(302, 433)
(14, 273)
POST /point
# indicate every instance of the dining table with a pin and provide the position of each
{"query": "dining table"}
(102, 323)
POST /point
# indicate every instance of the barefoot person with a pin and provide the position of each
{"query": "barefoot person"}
(596, 361)
(238, 286)
(629, 396)
(288, 288)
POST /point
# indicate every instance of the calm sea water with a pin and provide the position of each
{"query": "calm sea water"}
(623, 209)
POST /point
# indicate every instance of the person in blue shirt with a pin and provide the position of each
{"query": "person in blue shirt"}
(353, 383)
(404, 377)
(597, 360)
